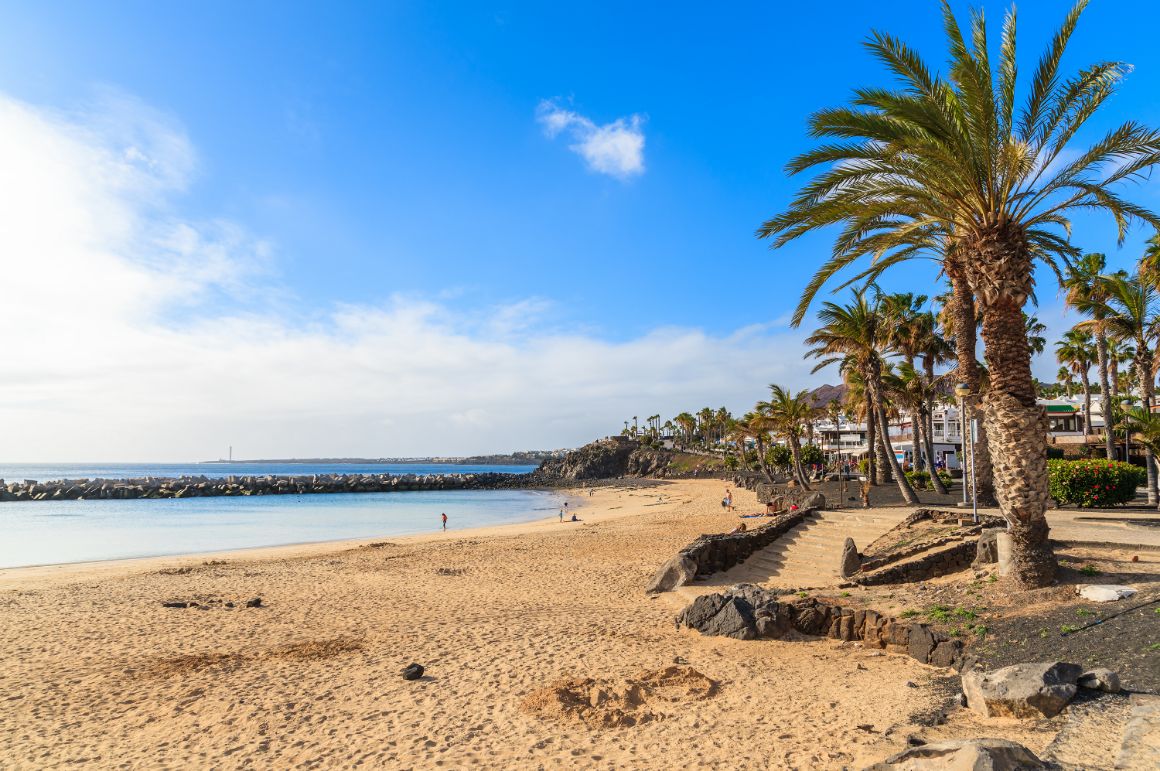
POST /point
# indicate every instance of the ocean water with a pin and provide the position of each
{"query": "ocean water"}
(55, 532)
(44, 472)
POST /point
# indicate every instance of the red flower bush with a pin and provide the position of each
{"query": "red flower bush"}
(1093, 484)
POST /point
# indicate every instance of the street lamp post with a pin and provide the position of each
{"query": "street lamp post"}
(962, 390)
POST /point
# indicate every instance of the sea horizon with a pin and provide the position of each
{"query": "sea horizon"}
(51, 472)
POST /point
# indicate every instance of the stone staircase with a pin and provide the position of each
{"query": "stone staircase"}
(807, 556)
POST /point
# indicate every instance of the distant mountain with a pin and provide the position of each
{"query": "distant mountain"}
(823, 395)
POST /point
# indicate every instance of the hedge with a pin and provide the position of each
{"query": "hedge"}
(920, 480)
(1093, 483)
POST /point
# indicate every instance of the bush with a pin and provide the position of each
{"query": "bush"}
(1093, 483)
(812, 455)
(778, 456)
(919, 480)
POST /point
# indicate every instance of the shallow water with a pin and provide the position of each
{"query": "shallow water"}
(52, 532)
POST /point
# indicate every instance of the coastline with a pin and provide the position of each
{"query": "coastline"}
(14, 577)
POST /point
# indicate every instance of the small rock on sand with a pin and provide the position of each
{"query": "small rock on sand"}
(989, 754)
(413, 671)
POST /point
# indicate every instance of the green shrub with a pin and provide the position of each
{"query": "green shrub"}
(778, 456)
(919, 480)
(1093, 483)
(812, 455)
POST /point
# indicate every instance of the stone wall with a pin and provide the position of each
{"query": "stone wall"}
(749, 612)
(204, 487)
(711, 554)
(784, 496)
(937, 563)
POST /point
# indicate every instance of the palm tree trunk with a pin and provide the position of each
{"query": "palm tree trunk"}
(882, 467)
(963, 306)
(798, 471)
(761, 459)
(928, 445)
(904, 487)
(874, 380)
(871, 444)
(1144, 367)
(1105, 393)
(1085, 383)
(1017, 428)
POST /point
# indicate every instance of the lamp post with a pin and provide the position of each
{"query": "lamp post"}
(962, 390)
(1125, 405)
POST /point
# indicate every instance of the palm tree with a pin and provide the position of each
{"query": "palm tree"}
(1077, 350)
(790, 412)
(914, 334)
(705, 424)
(1150, 263)
(855, 334)
(959, 316)
(949, 167)
(1086, 293)
(760, 423)
(1130, 313)
(857, 403)
(1034, 330)
(688, 425)
(1144, 426)
(1064, 380)
(916, 392)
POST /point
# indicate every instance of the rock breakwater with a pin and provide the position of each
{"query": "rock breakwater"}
(207, 487)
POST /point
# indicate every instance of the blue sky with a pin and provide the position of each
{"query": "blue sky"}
(394, 158)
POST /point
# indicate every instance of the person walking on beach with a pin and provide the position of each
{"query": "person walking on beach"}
(444, 516)
(561, 515)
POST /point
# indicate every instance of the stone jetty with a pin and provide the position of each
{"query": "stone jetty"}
(207, 487)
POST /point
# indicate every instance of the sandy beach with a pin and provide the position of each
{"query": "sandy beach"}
(98, 672)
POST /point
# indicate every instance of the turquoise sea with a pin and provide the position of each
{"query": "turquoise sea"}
(54, 532)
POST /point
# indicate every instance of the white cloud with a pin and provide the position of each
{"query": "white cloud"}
(616, 148)
(132, 333)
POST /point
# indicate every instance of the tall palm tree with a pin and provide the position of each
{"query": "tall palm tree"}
(952, 162)
(790, 412)
(855, 334)
(1085, 292)
(1064, 379)
(1130, 313)
(1077, 351)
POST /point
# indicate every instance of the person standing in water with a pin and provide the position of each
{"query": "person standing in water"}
(444, 516)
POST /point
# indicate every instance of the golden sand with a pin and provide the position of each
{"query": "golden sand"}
(96, 671)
